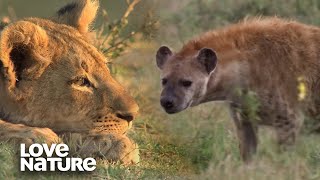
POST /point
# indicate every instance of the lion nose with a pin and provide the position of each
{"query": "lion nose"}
(167, 103)
(126, 116)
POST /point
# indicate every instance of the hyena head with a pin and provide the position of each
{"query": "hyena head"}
(184, 78)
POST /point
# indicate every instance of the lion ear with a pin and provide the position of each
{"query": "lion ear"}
(23, 52)
(79, 14)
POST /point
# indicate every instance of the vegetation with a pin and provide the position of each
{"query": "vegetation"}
(201, 142)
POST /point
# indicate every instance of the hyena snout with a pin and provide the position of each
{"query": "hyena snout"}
(168, 103)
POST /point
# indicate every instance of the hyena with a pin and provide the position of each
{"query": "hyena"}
(271, 57)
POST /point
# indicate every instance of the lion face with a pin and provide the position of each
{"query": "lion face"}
(53, 77)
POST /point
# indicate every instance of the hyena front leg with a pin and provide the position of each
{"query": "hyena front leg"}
(19, 133)
(247, 135)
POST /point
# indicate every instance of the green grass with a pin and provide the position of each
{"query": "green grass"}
(201, 142)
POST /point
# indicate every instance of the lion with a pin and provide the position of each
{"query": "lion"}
(55, 83)
(272, 63)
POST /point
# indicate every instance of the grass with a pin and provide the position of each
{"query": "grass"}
(201, 142)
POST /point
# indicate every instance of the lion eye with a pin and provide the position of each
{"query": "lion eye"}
(186, 83)
(83, 81)
(164, 81)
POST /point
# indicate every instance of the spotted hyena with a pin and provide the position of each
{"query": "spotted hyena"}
(270, 57)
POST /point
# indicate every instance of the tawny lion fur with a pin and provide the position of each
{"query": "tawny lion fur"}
(269, 56)
(54, 82)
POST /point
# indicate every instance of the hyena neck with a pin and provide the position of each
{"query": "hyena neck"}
(223, 82)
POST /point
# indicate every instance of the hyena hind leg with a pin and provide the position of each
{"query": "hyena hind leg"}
(287, 127)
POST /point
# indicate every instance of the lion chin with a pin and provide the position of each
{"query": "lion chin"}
(55, 87)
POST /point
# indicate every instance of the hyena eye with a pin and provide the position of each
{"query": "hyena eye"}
(186, 83)
(164, 81)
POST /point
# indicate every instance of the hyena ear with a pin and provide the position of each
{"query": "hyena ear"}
(163, 55)
(23, 53)
(208, 58)
(79, 14)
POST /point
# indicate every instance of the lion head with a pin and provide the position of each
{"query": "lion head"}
(52, 76)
